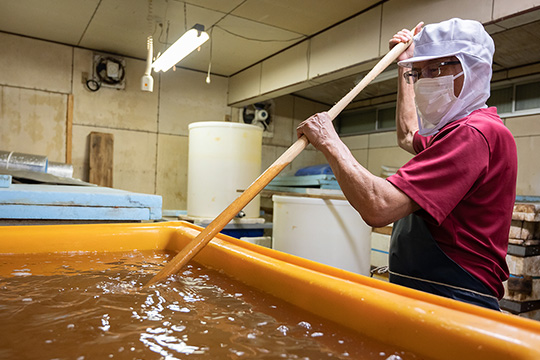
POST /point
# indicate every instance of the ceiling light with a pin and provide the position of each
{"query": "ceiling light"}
(190, 41)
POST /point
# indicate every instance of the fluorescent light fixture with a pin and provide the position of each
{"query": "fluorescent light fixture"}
(190, 41)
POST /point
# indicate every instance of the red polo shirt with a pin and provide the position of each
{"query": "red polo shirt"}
(464, 179)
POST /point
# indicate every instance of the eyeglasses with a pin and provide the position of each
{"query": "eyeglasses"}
(429, 71)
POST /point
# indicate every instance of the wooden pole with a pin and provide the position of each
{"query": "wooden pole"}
(69, 128)
(208, 233)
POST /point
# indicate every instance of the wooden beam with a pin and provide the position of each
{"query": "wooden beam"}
(101, 159)
(69, 128)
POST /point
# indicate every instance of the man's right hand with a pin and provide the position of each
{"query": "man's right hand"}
(404, 36)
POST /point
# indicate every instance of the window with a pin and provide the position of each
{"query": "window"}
(511, 99)
(363, 121)
(518, 99)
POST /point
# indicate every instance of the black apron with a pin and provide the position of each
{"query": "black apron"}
(416, 261)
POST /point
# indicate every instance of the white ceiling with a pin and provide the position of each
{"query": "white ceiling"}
(243, 32)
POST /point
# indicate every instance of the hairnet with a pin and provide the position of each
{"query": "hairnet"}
(472, 45)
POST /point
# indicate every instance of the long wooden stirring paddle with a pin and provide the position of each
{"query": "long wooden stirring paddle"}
(208, 233)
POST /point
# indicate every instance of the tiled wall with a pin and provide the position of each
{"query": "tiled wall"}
(526, 131)
(150, 129)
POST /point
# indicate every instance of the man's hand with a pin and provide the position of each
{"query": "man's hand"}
(319, 130)
(404, 36)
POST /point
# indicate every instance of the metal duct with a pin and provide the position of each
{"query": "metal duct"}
(60, 169)
(19, 161)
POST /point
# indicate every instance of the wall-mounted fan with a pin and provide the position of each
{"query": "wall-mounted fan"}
(257, 114)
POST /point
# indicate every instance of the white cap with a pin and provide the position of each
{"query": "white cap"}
(471, 44)
(452, 37)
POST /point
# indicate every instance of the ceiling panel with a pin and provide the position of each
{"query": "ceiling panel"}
(232, 53)
(518, 46)
(107, 30)
(61, 21)
(300, 16)
(224, 6)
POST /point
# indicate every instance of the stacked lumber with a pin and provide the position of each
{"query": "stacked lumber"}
(522, 290)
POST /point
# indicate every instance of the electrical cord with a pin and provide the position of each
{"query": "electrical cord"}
(93, 85)
(260, 40)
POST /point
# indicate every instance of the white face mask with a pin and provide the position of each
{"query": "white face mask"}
(434, 97)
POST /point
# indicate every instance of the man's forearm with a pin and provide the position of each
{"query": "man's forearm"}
(378, 201)
(406, 118)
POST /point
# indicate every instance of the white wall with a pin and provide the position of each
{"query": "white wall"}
(150, 129)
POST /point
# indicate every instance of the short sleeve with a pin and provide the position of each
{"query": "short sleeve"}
(420, 142)
(442, 174)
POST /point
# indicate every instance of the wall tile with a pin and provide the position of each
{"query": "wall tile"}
(356, 142)
(282, 122)
(528, 180)
(35, 64)
(524, 125)
(270, 154)
(391, 156)
(33, 122)
(111, 108)
(172, 171)
(185, 97)
(383, 140)
(361, 156)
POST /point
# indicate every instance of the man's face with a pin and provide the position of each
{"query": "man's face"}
(441, 67)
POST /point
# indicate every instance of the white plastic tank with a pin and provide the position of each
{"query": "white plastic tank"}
(223, 157)
(327, 231)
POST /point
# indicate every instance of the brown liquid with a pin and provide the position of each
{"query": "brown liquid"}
(92, 306)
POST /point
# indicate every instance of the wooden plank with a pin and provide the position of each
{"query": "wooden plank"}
(69, 129)
(526, 212)
(524, 265)
(101, 159)
(524, 230)
(524, 243)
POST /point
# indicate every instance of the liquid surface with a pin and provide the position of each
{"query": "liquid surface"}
(93, 306)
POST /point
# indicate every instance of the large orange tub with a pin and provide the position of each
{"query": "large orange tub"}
(427, 325)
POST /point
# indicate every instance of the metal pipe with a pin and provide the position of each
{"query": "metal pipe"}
(60, 169)
(19, 161)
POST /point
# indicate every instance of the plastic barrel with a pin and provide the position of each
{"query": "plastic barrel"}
(223, 157)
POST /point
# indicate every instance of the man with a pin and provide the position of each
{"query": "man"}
(452, 203)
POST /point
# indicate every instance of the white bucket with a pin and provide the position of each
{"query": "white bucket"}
(327, 231)
(223, 157)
